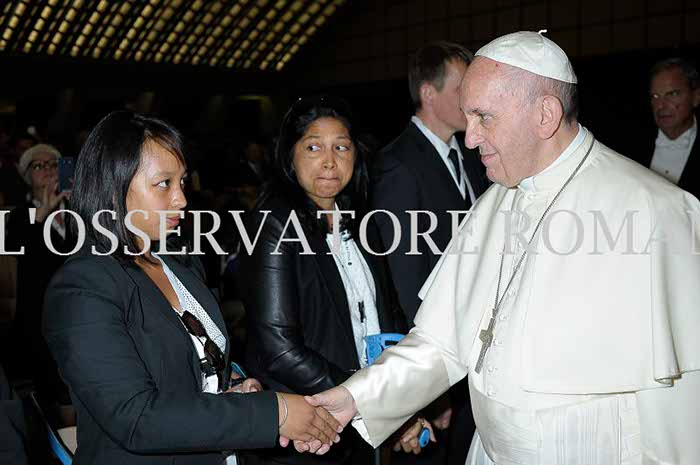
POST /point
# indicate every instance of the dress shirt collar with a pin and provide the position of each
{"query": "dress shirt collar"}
(681, 142)
(442, 148)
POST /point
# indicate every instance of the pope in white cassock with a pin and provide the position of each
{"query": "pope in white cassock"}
(570, 296)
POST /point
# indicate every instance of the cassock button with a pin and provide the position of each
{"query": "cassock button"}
(503, 317)
(511, 292)
(490, 368)
(490, 392)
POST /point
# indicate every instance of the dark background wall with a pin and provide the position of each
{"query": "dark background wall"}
(361, 54)
(612, 43)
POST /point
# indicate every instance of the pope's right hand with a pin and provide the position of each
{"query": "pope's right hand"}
(306, 423)
(338, 402)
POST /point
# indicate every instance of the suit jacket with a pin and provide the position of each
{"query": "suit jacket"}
(409, 174)
(134, 374)
(690, 179)
(300, 336)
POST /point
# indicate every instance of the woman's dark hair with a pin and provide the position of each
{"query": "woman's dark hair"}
(106, 165)
(284, 181)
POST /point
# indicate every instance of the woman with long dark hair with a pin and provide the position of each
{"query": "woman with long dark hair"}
(312, 287)
(136, 334)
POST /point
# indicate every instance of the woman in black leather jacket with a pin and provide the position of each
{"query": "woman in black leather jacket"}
(308, 309)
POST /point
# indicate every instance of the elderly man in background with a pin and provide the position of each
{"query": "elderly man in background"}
(674, 90)
(569, 296)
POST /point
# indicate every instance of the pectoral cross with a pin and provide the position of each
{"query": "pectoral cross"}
(486, 337)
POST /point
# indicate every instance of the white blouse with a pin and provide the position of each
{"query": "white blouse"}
(360, 291)
(188, 303)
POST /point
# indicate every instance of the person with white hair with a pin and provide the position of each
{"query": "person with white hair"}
(569, 296)
(38, 166)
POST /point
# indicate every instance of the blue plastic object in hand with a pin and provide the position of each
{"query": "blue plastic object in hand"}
(236, 368)
(376, 343)
(424, 437)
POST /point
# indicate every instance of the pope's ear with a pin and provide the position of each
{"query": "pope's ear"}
(550, 117)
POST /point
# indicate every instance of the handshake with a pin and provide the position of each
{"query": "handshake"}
(313, 423)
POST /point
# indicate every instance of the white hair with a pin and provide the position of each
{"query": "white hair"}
(30, 154)
(531, 86)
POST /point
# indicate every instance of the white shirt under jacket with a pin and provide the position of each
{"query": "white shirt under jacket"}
(671, 155)
(595, 357)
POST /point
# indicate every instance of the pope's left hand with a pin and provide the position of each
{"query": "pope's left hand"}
(409, 438)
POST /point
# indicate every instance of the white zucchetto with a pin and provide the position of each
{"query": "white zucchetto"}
(532, 52)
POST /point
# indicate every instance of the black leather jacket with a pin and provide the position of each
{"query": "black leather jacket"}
(299, 331)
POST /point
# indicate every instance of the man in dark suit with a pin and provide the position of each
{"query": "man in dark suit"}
(674, 90)
(428, 168)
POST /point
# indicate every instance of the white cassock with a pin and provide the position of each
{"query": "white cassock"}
(595, 352)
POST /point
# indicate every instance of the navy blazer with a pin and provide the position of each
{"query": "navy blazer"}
(134, 374)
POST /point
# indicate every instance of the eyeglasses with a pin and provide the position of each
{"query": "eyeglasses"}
(42, 165)
(214, 362)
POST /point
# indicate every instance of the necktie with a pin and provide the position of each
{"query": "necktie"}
(453, 158)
